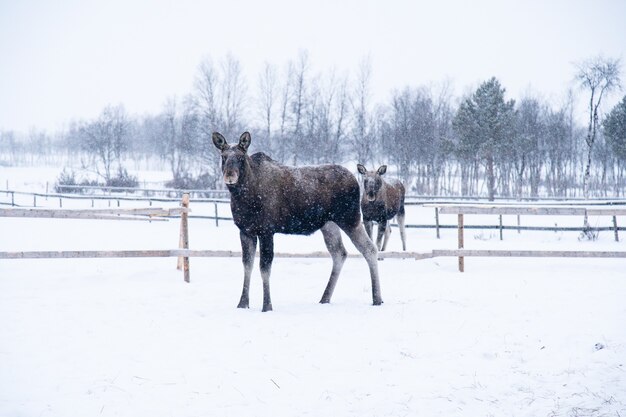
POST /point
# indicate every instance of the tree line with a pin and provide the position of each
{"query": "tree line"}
(482, 144)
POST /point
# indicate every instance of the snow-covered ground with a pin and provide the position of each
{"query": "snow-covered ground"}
(127, 337)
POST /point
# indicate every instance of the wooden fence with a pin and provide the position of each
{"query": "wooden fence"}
(434, 202)
(184, 253)
(500, 210)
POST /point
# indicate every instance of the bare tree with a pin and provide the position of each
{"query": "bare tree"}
(362, 140)
(220, 94)
(299, 103)
(206, 86)
(106, 139)
(599, 76)
(267, 97)
(232, 94)
(441, 147)
(325, 121)
(280, 139)
(528, 151)
(178, 134)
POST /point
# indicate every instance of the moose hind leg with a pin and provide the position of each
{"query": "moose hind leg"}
(267, 256)
(332, 238)
(400, 218)
(368, 249)
(248, 250)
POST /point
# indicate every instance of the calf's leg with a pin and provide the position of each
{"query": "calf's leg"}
(267, 256)
(332, 238)
(368, 227)
(368, 249)
(387, 233)
(382, 231)
(248, 251)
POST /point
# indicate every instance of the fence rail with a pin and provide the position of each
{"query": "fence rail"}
(223, 193)
(184, 253)
(225, 198)
(440, 205)
(464, 209)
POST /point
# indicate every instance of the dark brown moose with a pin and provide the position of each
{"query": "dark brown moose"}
(267, 198)
(381, 202)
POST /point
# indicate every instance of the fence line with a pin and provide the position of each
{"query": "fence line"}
(409, 200)
(184, 253)
(187, 253)
(225, 194)
(151, 214)
(547, 206)
(464, 209)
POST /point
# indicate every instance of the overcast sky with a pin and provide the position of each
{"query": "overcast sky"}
(64, 60)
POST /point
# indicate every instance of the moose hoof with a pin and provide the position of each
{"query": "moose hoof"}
(267, 308)
(377, 302)
(243, 305)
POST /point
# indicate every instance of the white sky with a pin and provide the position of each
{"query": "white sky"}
(64, 60)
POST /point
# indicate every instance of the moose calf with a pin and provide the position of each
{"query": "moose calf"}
(381, 202)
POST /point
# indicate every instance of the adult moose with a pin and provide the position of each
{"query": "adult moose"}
(267, 198)
(381, 202)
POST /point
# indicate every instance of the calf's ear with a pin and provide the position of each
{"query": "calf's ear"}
(219, 141)
(244, 141)
(362, 170)
(382, 169)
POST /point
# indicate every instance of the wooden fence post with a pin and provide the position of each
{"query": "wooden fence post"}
(216, 217)
(437, 221)
(184, 235)
(461, 259)
(501, 234)
(615, 228)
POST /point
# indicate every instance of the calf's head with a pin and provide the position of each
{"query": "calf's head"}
(372, 181)
(233, 156)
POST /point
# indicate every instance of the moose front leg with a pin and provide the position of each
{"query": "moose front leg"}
(267, 256)
(248, 251)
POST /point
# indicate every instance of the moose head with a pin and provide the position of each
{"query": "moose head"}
(233, 157)
(372, 181)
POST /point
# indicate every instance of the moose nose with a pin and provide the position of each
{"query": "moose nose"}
(371, 197)
(231, 178)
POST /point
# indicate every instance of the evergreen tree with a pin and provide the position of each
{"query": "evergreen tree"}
(615, 134)
(484, 124)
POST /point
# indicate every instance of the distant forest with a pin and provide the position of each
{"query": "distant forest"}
(483, 144)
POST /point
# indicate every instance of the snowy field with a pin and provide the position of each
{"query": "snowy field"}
(127, 337)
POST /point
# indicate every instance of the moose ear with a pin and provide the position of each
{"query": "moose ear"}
(244, 141)
(362, 170)
(219, 141)
(382, 169)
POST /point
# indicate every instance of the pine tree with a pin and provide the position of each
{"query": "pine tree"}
(615, 134)
(484, 125)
